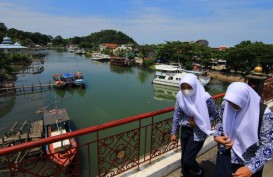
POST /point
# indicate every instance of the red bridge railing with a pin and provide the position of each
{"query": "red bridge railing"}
(104, 150)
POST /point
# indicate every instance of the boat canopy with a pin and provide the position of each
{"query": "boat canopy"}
(68, 75)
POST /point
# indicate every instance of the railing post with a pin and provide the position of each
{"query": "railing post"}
(49, 84)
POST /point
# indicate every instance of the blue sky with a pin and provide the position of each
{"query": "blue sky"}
(221, 22)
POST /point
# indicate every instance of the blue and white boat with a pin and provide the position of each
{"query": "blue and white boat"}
(79, 80)
(68, 79)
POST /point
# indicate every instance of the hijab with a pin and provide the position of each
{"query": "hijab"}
(195, 105)
(241, 126)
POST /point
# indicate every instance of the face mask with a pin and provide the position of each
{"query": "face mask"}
(187, 92)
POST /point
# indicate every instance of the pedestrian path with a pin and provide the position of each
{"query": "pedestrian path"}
(207, 162)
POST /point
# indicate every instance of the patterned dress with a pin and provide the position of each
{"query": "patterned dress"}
(258, 154)
(180, 118)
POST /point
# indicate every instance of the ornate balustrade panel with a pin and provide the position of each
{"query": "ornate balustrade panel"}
(161, 137)
(41, 166)
(118, 153)
(109, 149)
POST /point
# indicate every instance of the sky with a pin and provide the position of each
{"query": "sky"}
(221, 22)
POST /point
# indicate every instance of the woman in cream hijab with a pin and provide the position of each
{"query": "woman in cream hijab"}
(244, 143)
(194, 112)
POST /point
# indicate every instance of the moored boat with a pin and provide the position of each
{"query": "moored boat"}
(58, 81)
(79, 80)
(68, 79)
(100, 57)
(119, 61)
(57, 122)
(170, 75)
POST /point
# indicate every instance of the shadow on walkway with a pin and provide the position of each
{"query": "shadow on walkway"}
(207, 162)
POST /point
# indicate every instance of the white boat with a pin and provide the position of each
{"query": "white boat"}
(170, 75)
(100, 57)
(80, 51)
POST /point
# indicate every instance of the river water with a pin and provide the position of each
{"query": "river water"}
(112, 93)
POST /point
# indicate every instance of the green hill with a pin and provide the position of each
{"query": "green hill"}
(104, 36)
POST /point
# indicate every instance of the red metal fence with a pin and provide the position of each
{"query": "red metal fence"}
(104, 150)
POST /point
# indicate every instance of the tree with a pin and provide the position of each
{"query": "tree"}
(85, 45)
(184, 53)
(58, 41)
(75, 40)
(146, 51)
(3, 31)
(109, 36)
(246, 55)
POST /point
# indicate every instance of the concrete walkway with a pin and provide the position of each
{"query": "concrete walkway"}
(207, 162)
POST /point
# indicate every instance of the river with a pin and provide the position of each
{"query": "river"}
(112, 93)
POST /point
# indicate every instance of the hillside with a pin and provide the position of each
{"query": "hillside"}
(92, 40)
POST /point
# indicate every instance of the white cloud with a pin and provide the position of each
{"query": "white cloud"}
(221, 25)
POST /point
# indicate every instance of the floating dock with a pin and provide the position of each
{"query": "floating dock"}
(22, 132)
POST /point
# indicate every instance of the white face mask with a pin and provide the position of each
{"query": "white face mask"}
(187, 92)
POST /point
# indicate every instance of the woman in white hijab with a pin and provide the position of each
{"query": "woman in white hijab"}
(194, 112)
(244, 133)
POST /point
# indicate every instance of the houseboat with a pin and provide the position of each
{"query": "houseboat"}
(170, 75)
(119, 61)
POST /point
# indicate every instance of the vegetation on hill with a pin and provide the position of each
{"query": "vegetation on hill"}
(25, 38)
(91, 41)
(102, 37)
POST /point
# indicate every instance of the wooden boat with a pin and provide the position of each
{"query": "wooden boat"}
(119, 61)
(68, 79)
(57, 122)
(78, 79)
(58, 81)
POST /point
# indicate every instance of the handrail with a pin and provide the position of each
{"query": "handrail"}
(218, 95)
(108, 146)
(76, 133)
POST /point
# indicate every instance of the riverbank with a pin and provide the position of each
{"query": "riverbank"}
(229, 77)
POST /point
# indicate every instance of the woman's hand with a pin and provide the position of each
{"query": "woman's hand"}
(224, 140)
(242, 172)
(192, 122)
(173, 138)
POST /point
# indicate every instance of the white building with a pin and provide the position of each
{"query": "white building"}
(122, 48)
(9, 47)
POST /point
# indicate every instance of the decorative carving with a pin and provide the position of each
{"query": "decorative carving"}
(121, 154)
